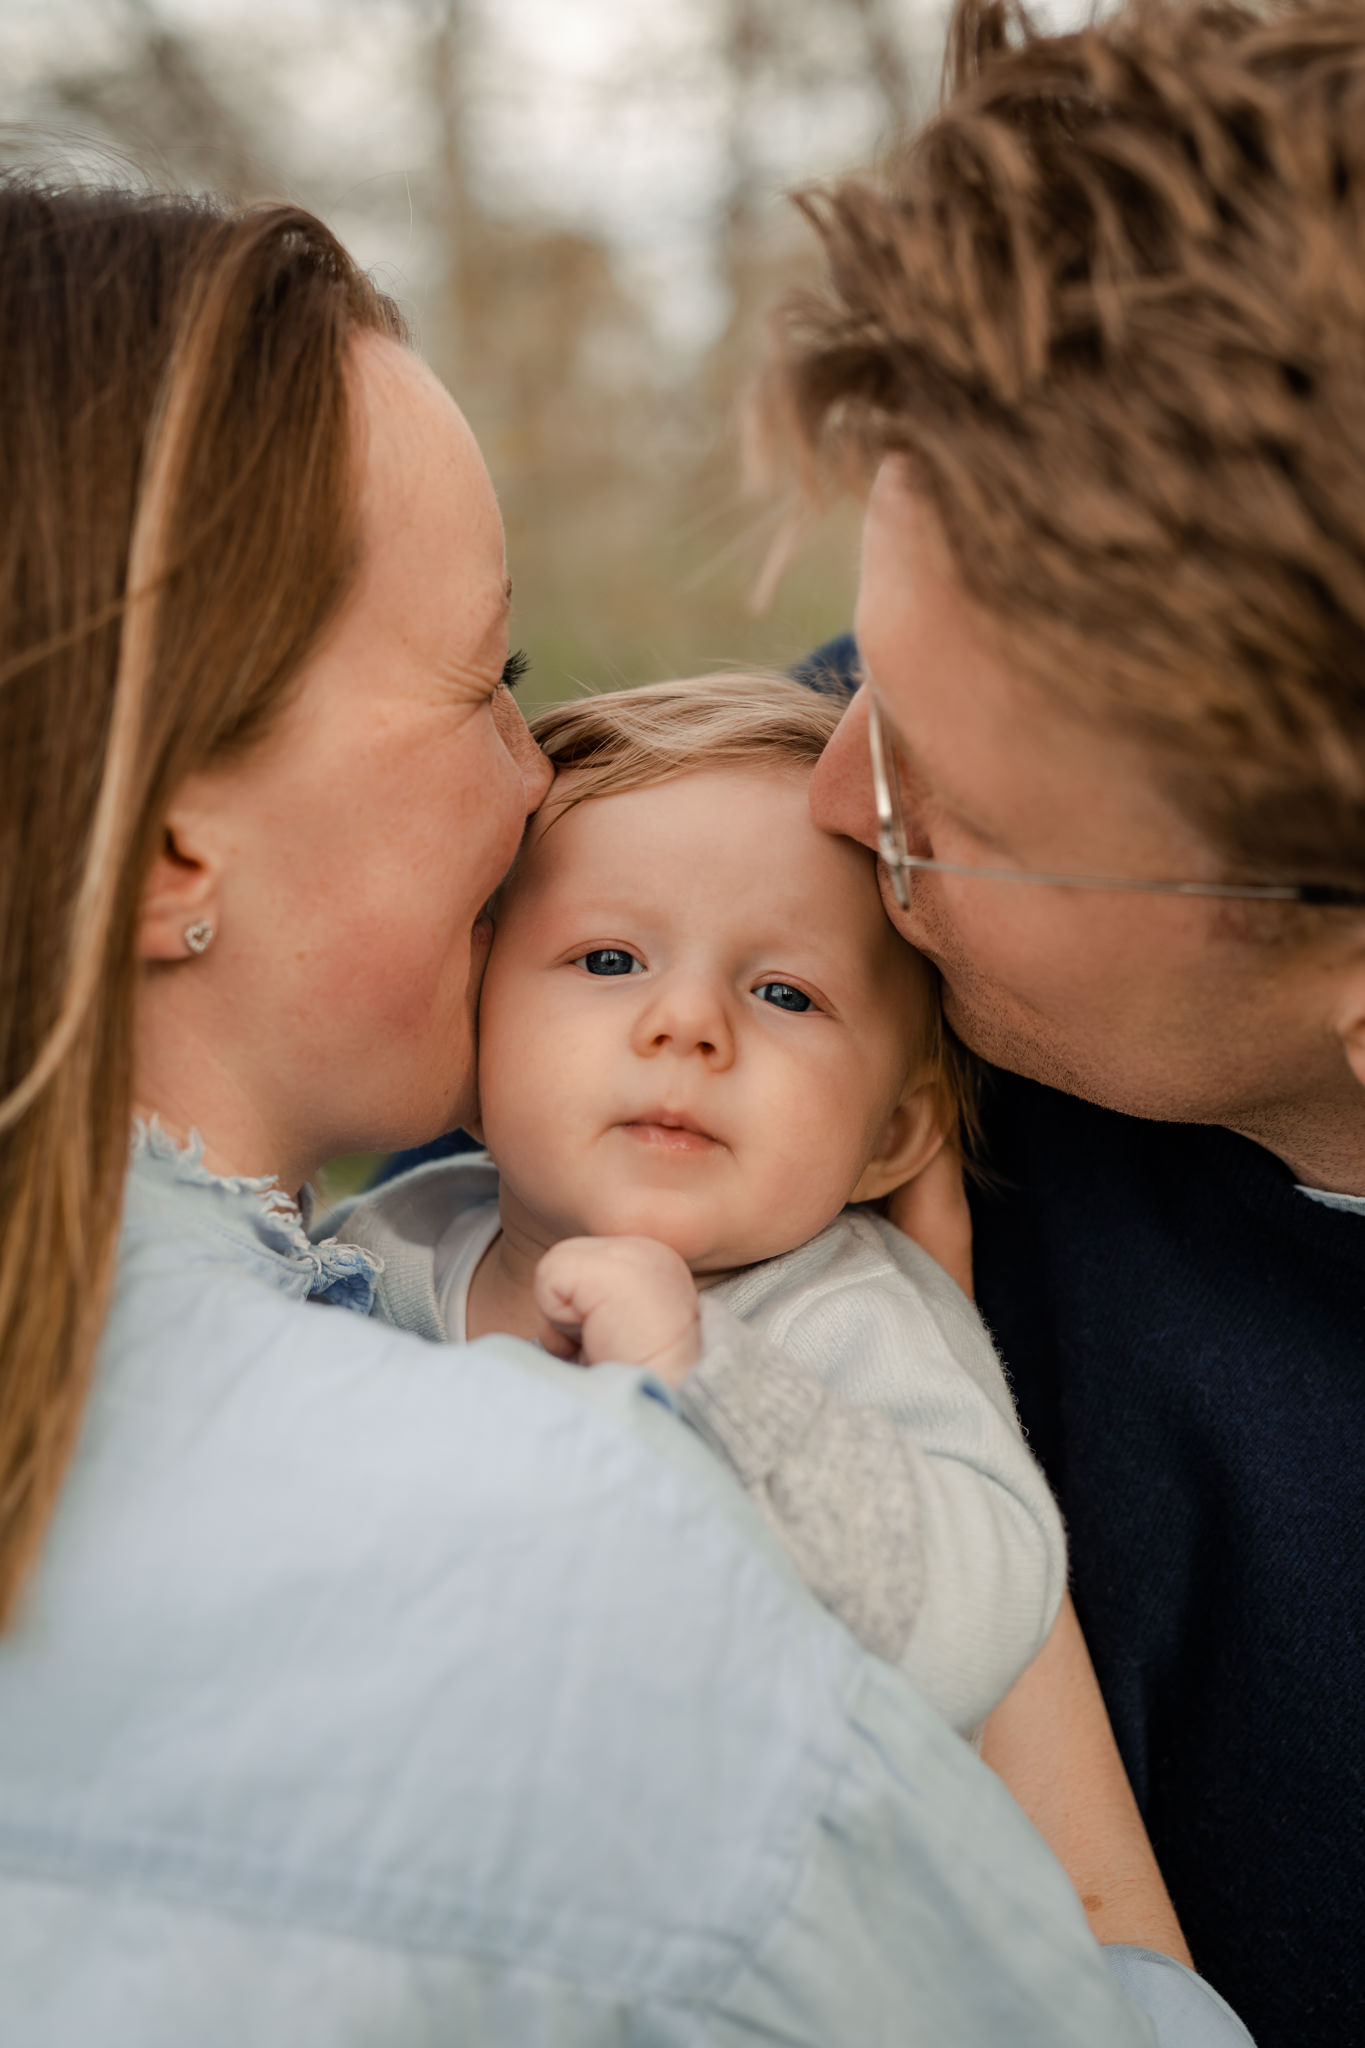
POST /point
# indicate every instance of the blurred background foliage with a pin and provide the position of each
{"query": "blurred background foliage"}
(580, 204)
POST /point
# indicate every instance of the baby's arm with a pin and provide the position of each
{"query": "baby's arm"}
(836, 1481)
(1050, 1740)
(876, 1432)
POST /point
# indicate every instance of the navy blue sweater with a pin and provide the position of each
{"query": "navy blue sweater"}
(1186, 1337)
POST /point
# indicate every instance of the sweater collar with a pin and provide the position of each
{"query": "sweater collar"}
(239, 1220)
(1350, 1205)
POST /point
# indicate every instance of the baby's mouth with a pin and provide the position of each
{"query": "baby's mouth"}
(669, 1130)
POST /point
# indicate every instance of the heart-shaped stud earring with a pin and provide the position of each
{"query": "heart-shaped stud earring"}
(199, 937)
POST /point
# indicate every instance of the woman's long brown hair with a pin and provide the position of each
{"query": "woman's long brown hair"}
(177, 524)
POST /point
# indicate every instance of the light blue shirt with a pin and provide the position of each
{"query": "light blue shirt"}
(377, 1691)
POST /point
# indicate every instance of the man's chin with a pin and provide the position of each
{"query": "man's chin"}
(1032, 1057)
(1018, 1050)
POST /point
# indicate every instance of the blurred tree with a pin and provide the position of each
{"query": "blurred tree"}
(612, 443)
(157, 103)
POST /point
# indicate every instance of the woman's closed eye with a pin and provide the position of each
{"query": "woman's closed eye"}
(783, 996)
(609, 960)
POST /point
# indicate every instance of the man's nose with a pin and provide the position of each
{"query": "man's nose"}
(536, 772)
(841, 788)
(687, 1014)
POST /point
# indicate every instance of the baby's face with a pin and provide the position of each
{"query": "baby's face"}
(696, 1020)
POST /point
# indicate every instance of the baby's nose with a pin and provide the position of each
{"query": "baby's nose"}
(689, 1017)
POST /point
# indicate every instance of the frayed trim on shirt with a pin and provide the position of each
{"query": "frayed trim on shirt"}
(187, 1163)
(343, 1274)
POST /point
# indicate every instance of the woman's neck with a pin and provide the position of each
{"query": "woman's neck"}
(192, 1079)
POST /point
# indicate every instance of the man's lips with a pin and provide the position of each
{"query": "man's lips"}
(669, 1130)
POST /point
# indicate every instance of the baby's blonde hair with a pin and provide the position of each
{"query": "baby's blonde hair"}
(617, 740)
(627, 739)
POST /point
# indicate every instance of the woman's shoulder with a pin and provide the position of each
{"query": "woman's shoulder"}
(456, 1652)
(265, 1381)
(358, 1602)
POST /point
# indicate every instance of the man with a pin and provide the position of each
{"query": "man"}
(1097, 340)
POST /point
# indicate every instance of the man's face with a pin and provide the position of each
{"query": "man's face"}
(696, 1020)
(1163, 1007)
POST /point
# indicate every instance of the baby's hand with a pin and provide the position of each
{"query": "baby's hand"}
(628, 1300)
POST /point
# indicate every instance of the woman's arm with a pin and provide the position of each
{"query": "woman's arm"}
(1050, 1740)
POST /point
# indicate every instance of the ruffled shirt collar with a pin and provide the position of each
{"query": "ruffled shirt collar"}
(235, 1219)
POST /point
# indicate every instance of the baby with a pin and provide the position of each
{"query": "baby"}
(702, 1046)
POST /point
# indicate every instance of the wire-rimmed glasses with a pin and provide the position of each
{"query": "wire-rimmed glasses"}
(899, 862)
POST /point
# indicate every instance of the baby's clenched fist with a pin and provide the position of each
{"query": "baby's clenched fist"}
(620, 1300)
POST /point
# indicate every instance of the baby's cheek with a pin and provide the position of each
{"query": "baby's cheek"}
(817, 1168)
(520, 1095)
(792, 1201)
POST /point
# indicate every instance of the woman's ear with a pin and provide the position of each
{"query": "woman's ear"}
(180, 896)
(914, 1135)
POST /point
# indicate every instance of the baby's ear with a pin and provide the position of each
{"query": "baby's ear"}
(913, 1135)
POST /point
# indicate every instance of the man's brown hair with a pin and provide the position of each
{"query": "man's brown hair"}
(1110, 307)
(178, 523)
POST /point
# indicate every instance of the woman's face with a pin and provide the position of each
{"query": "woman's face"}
(351, 854)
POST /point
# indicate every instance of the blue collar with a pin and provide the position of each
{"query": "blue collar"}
(240, 1221)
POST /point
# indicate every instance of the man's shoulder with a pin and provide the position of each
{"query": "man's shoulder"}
(1078, 1174)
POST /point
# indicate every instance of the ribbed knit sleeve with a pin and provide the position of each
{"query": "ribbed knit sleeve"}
(835, 1482)
(908, 1470)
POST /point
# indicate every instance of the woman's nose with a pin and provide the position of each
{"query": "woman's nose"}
(686, 1015)
(535, 771)
(841, 788)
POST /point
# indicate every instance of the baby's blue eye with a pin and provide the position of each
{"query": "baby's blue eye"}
(783, 996)
(608, 960)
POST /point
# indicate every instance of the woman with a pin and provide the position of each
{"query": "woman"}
(355, 1689)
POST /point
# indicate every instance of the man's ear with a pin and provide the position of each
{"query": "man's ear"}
(1350, 1020)
(181, 891)
(914, 1135)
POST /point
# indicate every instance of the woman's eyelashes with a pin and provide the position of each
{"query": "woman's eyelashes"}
(514, 669)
